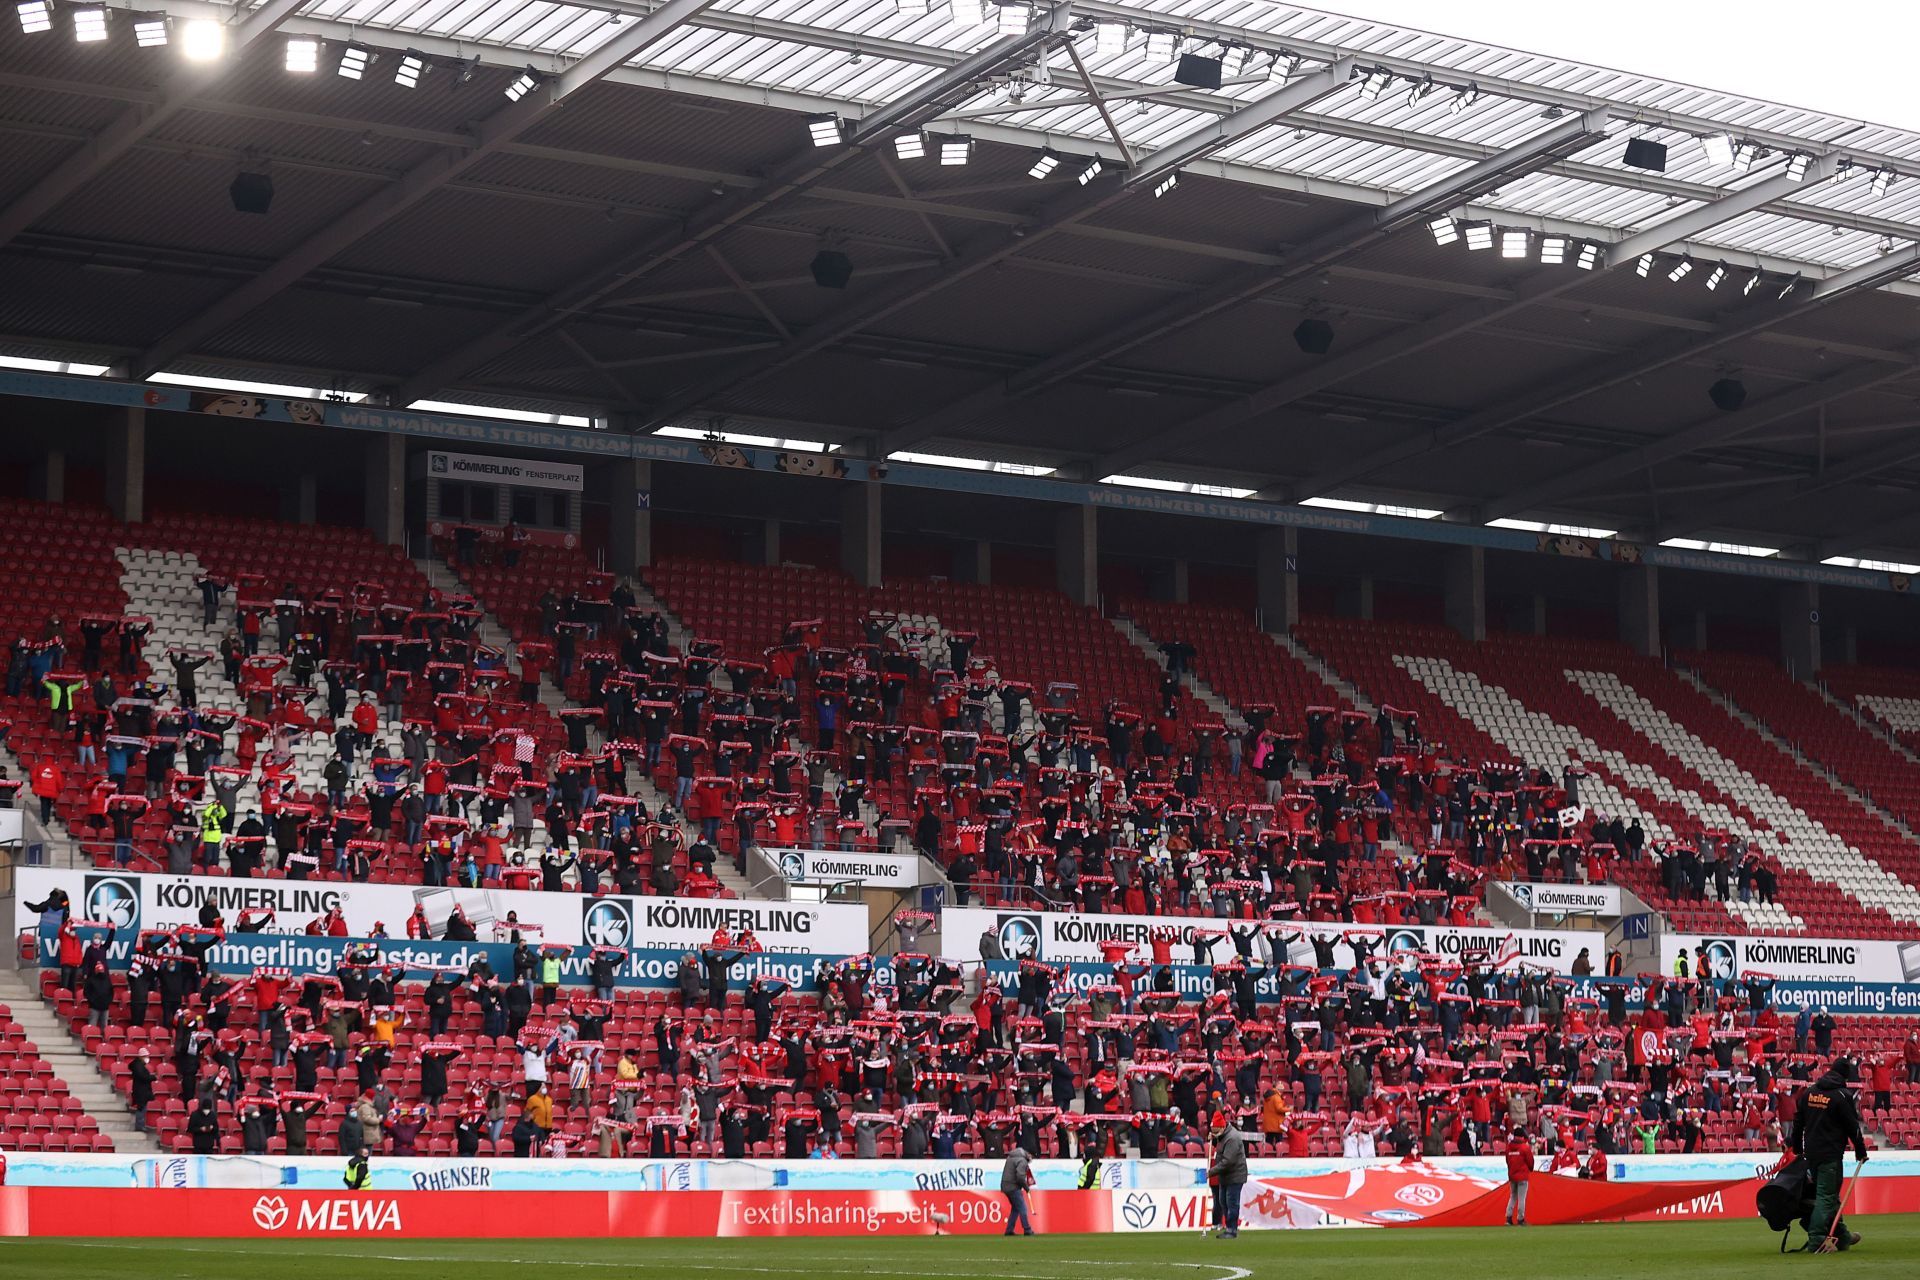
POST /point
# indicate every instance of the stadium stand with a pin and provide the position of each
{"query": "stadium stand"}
(762, 1071)
(1041, 752)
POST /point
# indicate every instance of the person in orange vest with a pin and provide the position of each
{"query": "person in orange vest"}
(1273, 1118)
(49, 780)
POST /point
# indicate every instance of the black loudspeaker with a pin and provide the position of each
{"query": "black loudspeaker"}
(251, 193)
(832, 269)
(1728, 394)
(1201, 73)
(1642, 154)
(1314, 337)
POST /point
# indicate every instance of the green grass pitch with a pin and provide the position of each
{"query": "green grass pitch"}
(1688, 1251)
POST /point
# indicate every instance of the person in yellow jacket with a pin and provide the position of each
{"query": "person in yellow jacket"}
(212, 832)
(539, 1109)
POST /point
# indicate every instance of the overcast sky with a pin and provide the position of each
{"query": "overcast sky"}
(1848, 57)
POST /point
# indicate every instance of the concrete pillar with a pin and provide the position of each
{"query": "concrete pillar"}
(48, 481)
(300, 503)
(1076, 553)
(1353, 598)
(127, 465)
(1466, 587)
(860, 532)
(1849, 645)
(1639, 611)
(1800, 628)
(386, 473)
(766, 546)
(1169, 582)
(1276, 578)
(630, 515)
(1699, 639)
(1537, 615)
(973, 562)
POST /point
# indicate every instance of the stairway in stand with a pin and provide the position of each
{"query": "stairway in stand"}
(492, 633)
(63, 1051)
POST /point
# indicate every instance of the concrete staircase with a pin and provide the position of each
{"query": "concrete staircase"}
(1314, 663)
(1800, 757)
(1200, 689)
(19, 989)
(681, 638)
(1868, 723)
(492, 633)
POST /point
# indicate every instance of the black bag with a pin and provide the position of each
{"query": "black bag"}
(1786, 1197)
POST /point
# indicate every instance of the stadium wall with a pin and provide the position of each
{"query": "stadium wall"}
(1375, 1194)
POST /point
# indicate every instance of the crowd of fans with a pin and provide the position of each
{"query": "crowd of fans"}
(1359, 1052)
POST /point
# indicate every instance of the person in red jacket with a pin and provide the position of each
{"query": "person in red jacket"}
(71, 954)
(1881, 1076)
(1596, 1165)
(1519, 1170)
(417, 926)
(1911, 1052)
(49, 780)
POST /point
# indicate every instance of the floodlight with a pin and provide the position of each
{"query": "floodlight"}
(354, 60)
(203, 40)
(1513, 244)
(303, 54)
(1590, 256)
(1445, 231)
(1479, 236)
(1045, 165)
(89, 25)
(824, 130)
(1092, 171)
(412, 66)
(35, 16)
(150, 30)
(1553, 249)
(910, 146)
(956, 149)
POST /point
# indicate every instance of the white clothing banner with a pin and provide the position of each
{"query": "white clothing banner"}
(523, 473)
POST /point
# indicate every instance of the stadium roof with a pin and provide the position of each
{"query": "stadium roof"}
(630, 235)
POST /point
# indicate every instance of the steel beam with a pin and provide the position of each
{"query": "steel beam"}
(137, 122)
(422, 181)
(1906, 524)
(1469, 316)
(1703, 434)
(1305, 260)
(997, 245)
(1650, 357)
(911, 111)
(1732, 513)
